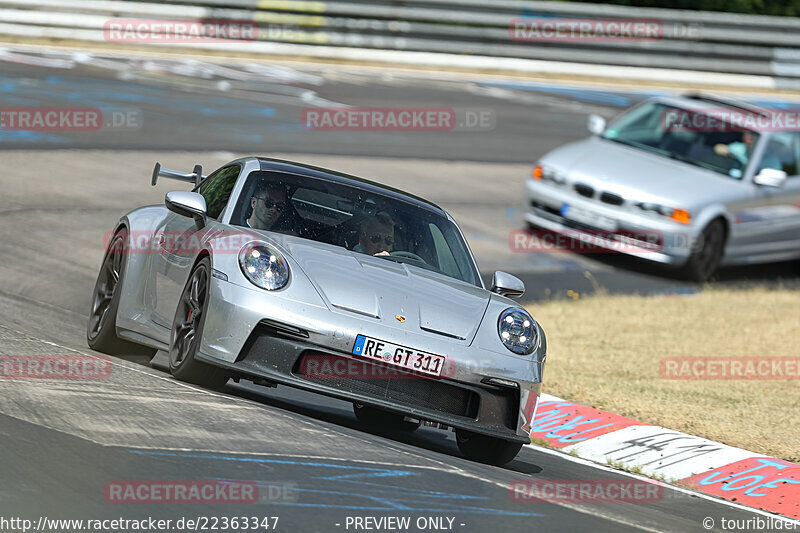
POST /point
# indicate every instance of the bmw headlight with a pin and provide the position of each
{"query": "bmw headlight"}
(263, 265)
(517, 330)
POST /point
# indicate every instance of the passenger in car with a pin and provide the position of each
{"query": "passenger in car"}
(376, 235)
(738, 150)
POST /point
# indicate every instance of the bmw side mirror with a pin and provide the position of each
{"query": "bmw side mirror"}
(505, 284)
(187, 204)
(596, 124)
(770, 177)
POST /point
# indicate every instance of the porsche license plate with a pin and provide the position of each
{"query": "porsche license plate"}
(399, 356)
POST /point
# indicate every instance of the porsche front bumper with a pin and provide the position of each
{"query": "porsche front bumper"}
(261, 337)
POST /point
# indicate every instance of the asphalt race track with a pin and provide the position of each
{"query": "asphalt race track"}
(315, 465)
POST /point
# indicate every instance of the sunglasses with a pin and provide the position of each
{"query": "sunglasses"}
(269, 204)
(377, 238)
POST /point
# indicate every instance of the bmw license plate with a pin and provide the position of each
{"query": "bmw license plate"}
(588, 218)
(399, 356)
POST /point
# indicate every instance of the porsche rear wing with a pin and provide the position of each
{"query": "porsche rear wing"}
(196, 176)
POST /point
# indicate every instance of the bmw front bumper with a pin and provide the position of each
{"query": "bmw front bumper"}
(672, 244)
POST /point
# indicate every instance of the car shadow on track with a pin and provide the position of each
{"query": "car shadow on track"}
(768, 273)
(622, 274)
(338, 412)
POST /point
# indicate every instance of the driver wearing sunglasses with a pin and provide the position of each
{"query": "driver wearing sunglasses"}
(268, 205)
(376, 235)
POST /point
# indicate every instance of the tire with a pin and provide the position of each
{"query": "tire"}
(187, 331)
(382, 419)
(101, 328)
(707, 253)
(484, 449)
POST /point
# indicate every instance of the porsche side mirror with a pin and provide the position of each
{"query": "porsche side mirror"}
(505, 284)
(596, 124)
(187, 204)
(770, 177)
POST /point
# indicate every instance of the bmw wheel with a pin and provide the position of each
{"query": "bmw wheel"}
(707, 253)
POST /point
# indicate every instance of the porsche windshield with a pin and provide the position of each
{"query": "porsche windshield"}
(685, 135)
(357, 219)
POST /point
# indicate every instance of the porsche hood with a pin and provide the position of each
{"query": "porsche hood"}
(398, 295)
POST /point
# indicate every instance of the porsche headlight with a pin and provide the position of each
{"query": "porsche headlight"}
(517, 330)
(263, 265)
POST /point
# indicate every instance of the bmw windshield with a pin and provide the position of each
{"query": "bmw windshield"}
(689, 136)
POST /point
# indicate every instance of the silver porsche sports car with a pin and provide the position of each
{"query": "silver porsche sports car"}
(282, 273)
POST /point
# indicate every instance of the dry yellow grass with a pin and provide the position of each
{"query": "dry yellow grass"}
(604, 351)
